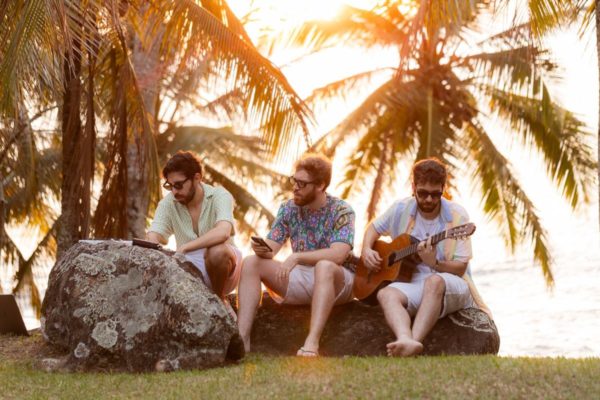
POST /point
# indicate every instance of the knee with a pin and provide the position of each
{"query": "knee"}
(435, 285)
(250, 264)
(217, 256)
(325, 269)
(386, 294)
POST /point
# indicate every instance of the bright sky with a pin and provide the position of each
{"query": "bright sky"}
(578, 91)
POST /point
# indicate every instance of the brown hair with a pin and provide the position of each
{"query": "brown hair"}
(318, 167)
(430, 170)
(186, 162)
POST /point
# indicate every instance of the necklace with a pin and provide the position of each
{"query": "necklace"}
(429, 225)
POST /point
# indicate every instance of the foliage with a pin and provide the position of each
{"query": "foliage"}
(435, 103)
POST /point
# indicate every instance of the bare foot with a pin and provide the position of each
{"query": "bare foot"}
(404, 347)
(304, 352)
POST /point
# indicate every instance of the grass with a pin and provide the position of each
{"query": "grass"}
(261, 377)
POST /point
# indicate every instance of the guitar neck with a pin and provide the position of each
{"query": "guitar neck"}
(412, 249)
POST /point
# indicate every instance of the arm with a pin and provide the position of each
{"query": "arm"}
(263, 252)
(371, 259)
(336, 253)
(428, 256)
(161, 227)
(156, 237)
(220, 233)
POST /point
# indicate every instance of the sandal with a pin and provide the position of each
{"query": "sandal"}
(307, 353)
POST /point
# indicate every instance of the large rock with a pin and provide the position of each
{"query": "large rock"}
(115, 306)
(361, 330)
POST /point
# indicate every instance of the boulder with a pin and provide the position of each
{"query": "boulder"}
(114, 306)
(361, 330)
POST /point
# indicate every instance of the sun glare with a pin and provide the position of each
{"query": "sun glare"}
(275, 13)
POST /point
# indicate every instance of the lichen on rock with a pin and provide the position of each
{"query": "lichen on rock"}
(128, 307)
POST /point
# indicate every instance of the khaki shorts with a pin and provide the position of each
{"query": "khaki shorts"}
(196, 257)
(456, 297)
(301, 285)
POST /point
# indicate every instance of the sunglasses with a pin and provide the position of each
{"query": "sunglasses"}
(175, 185)
(423, 194)
(301, 184)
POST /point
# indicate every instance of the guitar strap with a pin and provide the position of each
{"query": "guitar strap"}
(449, 248)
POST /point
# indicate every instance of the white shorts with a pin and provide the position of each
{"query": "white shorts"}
(456, 297)
(196, 257)
(301, 285)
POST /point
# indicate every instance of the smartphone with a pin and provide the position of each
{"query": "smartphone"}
(260, 241)
(146, 243)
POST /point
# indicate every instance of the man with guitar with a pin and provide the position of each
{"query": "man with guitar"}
(436, 288)
(321, 231)
(201, 218)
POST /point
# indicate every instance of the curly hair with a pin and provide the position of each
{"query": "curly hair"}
(429, 170)
(318, 167)
(186, 162)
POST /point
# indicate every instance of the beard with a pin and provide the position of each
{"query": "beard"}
(300, 200)
(185, 199)
(426, 206)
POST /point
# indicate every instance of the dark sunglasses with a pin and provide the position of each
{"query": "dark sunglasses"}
(175, 185)
(301, 184)
(423, 194)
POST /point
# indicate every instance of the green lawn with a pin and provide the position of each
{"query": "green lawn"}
(261, 377)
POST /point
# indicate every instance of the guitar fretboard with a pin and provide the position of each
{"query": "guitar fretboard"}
(412, 249)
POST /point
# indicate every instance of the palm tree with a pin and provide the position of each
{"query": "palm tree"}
(433, 103)
(79, 58)
(546, 15)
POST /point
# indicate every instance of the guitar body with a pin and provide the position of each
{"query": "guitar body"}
(366, 282)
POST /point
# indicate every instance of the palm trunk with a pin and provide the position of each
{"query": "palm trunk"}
(146, 67)
(74, 204)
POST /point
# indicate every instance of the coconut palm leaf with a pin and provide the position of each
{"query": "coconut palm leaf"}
(344, 87)
(504, 199)
(266, 91)
(515, 68)
(556, 133)
(353, 26)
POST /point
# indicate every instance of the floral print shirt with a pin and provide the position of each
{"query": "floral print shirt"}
(314, 229)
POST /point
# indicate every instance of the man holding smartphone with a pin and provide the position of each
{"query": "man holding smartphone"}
(201, 218)
(321, 231)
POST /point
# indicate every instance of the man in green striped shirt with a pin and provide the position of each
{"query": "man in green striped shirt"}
(201, 218)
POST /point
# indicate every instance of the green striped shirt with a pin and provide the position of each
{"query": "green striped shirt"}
(173, 218)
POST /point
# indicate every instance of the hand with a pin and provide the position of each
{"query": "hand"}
(283, 274)
(371, 259)
(427, 252)
(182, 249)
(260, 250)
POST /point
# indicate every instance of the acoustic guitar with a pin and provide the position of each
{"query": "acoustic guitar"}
(399, 259)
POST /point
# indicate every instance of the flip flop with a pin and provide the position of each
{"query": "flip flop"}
(307, 353)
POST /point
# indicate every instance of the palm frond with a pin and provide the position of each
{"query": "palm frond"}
(556, 133)
(514, 68)
(343, 87)
(352, 26)
(266, 92)
(504, 199)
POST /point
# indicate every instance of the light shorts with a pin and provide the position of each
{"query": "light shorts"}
(301, 285)
(457, 296)
(196, 257)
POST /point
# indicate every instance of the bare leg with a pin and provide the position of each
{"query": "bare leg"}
(431, 307)
(220, 262)
(329, 280)
(394, 304)
(255, 270)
